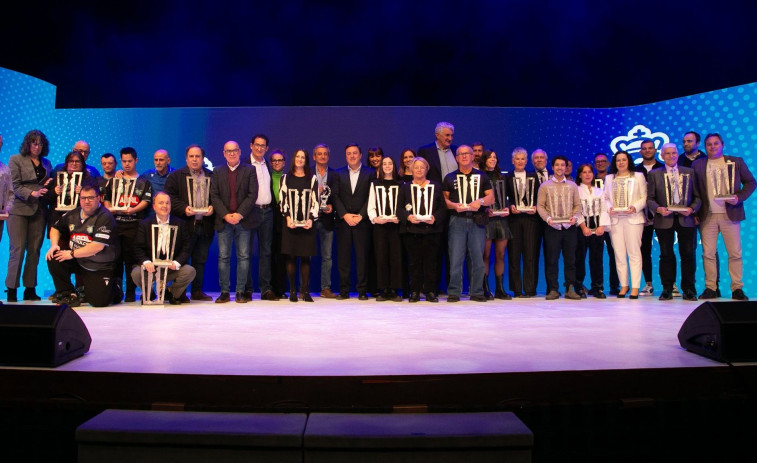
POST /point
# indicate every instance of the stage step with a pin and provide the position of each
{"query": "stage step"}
(116, 436)
(427, 437)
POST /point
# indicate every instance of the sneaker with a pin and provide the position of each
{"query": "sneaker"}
(676, 292)
(647, 290)
(71, 300)
(739, 295)
(552, 295)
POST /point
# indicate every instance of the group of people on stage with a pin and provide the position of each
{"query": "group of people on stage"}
(400, 221)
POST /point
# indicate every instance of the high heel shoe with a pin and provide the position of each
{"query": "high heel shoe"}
(634, 296)
(306, 297)
(293, 296)
(622, 294)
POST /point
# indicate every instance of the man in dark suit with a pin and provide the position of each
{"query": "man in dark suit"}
(324, 226)
(721, 215)
(233, 191)
(200, 224)
(353, 229)
(679, 190)
(648, 162)
(179, 272)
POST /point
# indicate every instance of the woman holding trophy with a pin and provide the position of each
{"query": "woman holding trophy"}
(298, 199)
(497, 230)
(382, 211)
(591, 233)
(66, 185)
(625, 196)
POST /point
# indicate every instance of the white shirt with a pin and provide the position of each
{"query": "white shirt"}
(264, 182)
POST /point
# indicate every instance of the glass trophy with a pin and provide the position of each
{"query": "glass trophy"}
(599, 183)
(4, 200)
(722, 180)
(591, 209)
(499, 208)
(121, 193)
(677, 191)
(467, 187)
(163, 238)
(324, 200)
(198, 194)
(524, 193)
(622, 194)
(298, 206)
(386, 201)
(68, 198)
(422, 201)
(560, 201)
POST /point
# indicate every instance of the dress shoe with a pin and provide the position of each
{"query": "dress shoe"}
(395, 297)
(12, 296)
(478, 298)
(31, 295)
(306, 297)
(293, 296)
(248, 295)
(666, 295)
(200, 296)
(269, 295)
(572, 294)
(327, 294)
(431, 297)
(342, 296)
(717, 291)
(523, 296)
(184, 299)
(739, 295)
(241, 298)
(582, 293)
(453, 298)
(171, 299)
(708, 294)
(415, 297)
(552, 295)
(130, 296)
(381, 297)
(223, 297)
(599, 294)
(362, 297)
(689, 295)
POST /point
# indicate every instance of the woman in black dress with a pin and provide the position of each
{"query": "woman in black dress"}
(497, 231)
(298, 198)
(382, 211)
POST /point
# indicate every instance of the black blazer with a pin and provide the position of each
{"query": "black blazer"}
(246, 195)
(143, 240)
(332, 180)
(347, 202)
(510, 189)
(176, 187)
(431, 154)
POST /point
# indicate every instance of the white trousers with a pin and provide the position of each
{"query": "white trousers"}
(626, 241)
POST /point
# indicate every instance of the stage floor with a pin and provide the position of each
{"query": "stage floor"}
(369, 338)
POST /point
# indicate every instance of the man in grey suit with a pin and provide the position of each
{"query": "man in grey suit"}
(233, 191)
(666, 198)
(722, 215)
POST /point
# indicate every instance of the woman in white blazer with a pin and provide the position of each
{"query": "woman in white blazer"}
(626, 224)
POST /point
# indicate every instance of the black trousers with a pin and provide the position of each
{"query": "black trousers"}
(646, 252)
(127, 233)
(556, 242)
(525, 246)
(687, 245)
(594, 245)
(200, 242)
(422, 255)
(387, 247)
(99, 287)
(356, 238)
(614, 280)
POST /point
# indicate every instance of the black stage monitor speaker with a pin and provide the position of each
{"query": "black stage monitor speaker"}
(722, 331)
(41, 335)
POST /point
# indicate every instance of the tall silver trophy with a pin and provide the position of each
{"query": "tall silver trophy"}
(622, 194)
(298, 206)
(525, 192)
(468, 189)
(422, 201)
(722, 179)
(560, 201)
(198, 193)
(163, 238)
(324, 198)
(68, 198)
(677, 191)
(4, 202)
(499, 208)
(386, 201)
(591, 210)
(121, 193)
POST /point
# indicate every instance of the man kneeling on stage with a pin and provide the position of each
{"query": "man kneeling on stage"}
(90, 232)
(163, 246)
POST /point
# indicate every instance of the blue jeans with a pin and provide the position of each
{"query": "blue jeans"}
(326, 241)
(240, 237)
(466, 237)
(264, 231)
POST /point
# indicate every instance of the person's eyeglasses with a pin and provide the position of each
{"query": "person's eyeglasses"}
(87, 198)
(277, 160)
(259, 146)
(36, 143)
(76, 161)
(231, 151)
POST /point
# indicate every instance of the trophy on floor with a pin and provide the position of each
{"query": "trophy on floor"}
(298, 206)
(325, 193)
(121, 193)
(677, 191)
(386, 201)
(591, 209)
(68, 198)
(723, 180)
(622, 194)
(467, 184)
(560, 199)
(525, 189)
(198, 192)
(163, 239)
(422, 201)
(499, 208)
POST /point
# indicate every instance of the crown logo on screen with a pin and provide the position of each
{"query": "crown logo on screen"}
(208, 165)
(632, 141)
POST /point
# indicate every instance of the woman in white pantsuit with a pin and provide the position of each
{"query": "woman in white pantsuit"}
(626, 226)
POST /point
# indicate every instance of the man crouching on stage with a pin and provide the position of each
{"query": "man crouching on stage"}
(93, 246)
(179, 271)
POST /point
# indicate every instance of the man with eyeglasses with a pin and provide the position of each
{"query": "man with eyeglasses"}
(278, 262)
(81, 147)
(262, 220)
(602, 167)
(93, 247)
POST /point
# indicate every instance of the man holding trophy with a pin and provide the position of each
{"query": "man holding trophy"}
(725, 182)
(673, 196)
